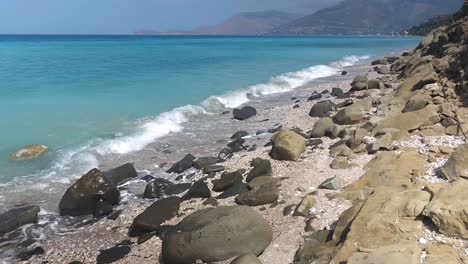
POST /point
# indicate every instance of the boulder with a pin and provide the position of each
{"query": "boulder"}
(246, 259)
(16, 217)
(82, 197)
(237, 188)
(159, 188)
(416, 102)
(244, 113)
(404, 252)
(360, 79)
(226, 181)
(448, 210)
(155, 215)
(260, 167)
(263, 194)
(287, 145)
(29, 152)
(184, 164)
(354, 113)
(410, 121)
(419, 77)
(303, 208)
(198, 190)
(334, 183)
(121, 173)
(325, 127)
(384, 70)
(359, 83)
(336, 91)
(457, 165)
(216, 234)
(373, 84)
(321, 109)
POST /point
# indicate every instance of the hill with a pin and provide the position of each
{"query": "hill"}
(356, 17)
(431, 24)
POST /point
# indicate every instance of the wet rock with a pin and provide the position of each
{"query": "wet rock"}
(152, 218)
(314, 96)
(303, 208)
(225, 154)
(29, 152)
(448, 209)
(237, 145)
(102, 208)
(321, 109)
(82, 197)
(344, 73)
(184, 164)
(17, 217)
(246, 259)
(121, 173)
(243, 230)
(239, 134)
(457, 165)
(260, 167)
(263, 194)
(334, 183)
(26, 255)
(287, 145)
(226, 181)
(162, 187)
(244, 113)
(198, 190)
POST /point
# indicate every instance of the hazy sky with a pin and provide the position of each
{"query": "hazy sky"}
(125, 16)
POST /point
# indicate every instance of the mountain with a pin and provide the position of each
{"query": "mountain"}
(356, 17)
(433, 23)
(251, 23)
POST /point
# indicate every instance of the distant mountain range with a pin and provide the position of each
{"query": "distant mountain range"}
(350, 17)
(251, 23)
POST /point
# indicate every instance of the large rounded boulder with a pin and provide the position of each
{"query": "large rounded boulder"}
(287, 145)
(83, 197)
(244, 113)
(216, 234)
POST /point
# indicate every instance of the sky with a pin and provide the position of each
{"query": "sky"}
(126, 16)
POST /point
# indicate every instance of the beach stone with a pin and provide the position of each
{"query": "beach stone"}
(260, 167)
(359, 83)
(237, 145)
(373, 84)
(198, 190)
(345, 103)
(343, 151)
(226, 181)
(82, 197)
(239, 134)
(203, 162)
(321, 109)
(325, 127)
(159, 188)
(404, 252)
(384, 70)
(121, 173)
(382, 61)
(416, 102)
(113, 254)
(344, 73)
(456, 130)
(314, 142)
(325, 91)
(457, 165)
(16, 217)
(29, 152)
(26, 255)
(448, 209)
(354, 113)
(236, 231)
(237, 188)
(341, 163)
(263, 194)
(184, 164)
(244, 113)
(225, 153)
(314, 96)
(213, 168)
(303, 208)
(336, 91)
(287, 145)
(261, 180)
(334, 183)
(246, 259)
(155, 215)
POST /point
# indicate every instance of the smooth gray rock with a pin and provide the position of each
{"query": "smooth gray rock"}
(17, 217)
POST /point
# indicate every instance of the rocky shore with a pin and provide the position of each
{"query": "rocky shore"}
(372, 171)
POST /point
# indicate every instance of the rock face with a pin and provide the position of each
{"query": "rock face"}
(287, 145)
(83, 196)
(29, 152)
(244, 113)
(457, 164)
(449, 209)
(216, 234)
(17, 217)
(152, 218)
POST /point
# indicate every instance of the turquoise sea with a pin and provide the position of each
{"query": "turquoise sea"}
(90, 96)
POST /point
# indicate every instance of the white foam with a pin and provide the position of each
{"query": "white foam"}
(349, 61)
